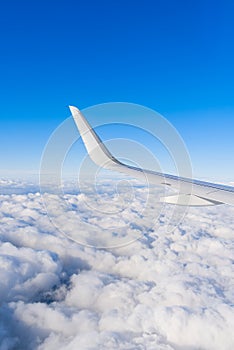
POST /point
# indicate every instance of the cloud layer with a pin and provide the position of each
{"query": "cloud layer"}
(167, 290)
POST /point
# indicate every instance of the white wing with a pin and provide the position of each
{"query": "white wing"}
(191, 192)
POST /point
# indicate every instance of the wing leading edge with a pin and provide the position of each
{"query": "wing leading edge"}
(190, 192)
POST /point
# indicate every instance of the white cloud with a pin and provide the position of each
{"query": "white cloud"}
(167, 290)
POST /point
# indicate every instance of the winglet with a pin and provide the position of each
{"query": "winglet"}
(94, 145)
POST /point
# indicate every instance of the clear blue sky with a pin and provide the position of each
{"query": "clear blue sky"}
(170, 55)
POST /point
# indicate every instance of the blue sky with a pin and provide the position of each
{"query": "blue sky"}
(173, 56)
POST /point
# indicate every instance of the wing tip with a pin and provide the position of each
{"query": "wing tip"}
(73, 109)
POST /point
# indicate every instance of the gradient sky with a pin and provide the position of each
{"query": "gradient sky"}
(172, 56)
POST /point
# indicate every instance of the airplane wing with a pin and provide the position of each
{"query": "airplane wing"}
(190, 192)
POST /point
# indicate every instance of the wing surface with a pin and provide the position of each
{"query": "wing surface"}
(190, 192)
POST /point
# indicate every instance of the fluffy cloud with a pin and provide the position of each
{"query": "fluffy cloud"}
(167, 290)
